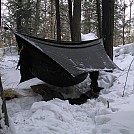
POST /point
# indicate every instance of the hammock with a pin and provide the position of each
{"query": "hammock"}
(60, 63)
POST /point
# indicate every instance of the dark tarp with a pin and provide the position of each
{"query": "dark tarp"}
(60, 63)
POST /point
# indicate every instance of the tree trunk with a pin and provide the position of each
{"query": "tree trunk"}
(19, 16)
(0, 13)
(123, 28)
(76, 25)
(52, 20)
(45, 33)
(3, 106)
(58, 20)
(99, 18)
(108, 25)
(70, 17)
(115, 34)
(130, 19)
(37, 17)
(27, 24)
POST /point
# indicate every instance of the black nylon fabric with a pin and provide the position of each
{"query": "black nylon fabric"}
(61, 63)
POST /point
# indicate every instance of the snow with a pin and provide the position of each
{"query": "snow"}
(5, 129)
(110, 113)
(89, 36)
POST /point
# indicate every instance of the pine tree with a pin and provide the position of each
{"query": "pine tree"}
(89, 20)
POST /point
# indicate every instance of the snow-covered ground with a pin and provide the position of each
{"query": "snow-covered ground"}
(110, 113)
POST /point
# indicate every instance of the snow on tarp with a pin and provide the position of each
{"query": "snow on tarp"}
(75, 58)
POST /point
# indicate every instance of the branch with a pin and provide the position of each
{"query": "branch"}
(127, 77)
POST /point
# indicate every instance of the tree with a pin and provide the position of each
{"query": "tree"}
(65, 27)
(124, 23)
(89, 17)
(19, 16)
(118, 16)
(0, 13)
(26, 14)
(70, 17)
(37, 17)
(130, 18)
(52, 19)
(58, 20)
(75, 20)
(99, 18)
(108, 25)
(3, 107)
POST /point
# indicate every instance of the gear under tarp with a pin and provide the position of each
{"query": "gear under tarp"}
(60, 63)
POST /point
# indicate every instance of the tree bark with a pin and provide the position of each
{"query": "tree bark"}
(70, 17)
(4, 110)
(130, 19)
(123, 28)
(76, 25)
(108, 25)
(37, 17)
(99, 18)
(52, 20)
(0, 13)
(58, 20)
(19, 16)
(27, 17)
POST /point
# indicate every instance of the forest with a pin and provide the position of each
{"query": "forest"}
(42, 18)
(67, 20)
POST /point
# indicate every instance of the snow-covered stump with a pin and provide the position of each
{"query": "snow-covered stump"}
(3, 110)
